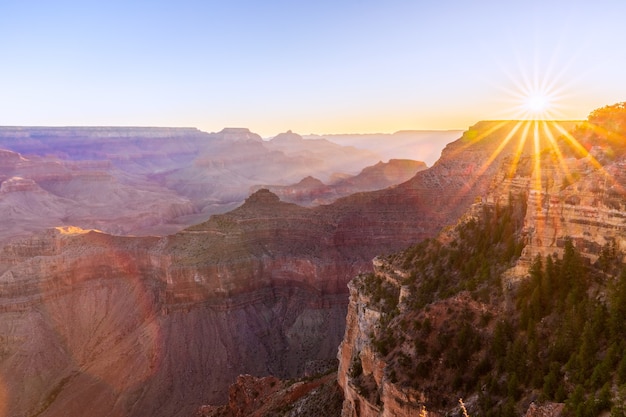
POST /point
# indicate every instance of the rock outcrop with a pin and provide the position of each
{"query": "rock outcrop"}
(546, 410)
(572, 198)
(251, 396)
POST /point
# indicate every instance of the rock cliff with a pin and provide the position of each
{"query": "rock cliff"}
(420, 329)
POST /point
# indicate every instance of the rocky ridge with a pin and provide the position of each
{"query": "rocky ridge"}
(573, 198)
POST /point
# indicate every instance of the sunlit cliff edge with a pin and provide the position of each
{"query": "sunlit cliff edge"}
(517, 309)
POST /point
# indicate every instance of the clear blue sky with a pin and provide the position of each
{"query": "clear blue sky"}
(310, 66)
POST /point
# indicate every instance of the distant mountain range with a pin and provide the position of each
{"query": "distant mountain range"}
(142, 180)
(419, 145)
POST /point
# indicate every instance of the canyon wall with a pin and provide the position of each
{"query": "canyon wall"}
(158, 326)
(105, 325)
(569, 196)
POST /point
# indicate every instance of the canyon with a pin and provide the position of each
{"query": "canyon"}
(97, 319)
(92, 321)
(152, 181)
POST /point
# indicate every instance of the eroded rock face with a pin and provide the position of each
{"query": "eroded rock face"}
(567, 197)
(105, 325)
(250, 396)
(157, 326)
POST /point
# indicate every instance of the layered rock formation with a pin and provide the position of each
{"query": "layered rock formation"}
(572, 195)
(160, 326)
(148, 326)
(251, 396)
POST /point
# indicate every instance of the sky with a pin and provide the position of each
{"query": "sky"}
(351, 66)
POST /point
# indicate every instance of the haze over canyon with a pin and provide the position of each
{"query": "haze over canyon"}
(99, 320)
(228, 274)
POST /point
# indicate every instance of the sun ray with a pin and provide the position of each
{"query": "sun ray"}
(611, 137)
(499, 149)
(555, 148)
(576, 146)
(477, 176)
(479, 137)
(516, 154)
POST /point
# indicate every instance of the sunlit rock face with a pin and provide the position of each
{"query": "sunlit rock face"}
(577, 196)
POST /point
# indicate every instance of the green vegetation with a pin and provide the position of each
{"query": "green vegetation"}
(558, 335)
(482, 248)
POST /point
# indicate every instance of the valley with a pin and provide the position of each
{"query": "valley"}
(162, 324)
(159, 325)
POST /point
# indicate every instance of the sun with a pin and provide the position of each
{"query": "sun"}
(537, 103)
(535, 92)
